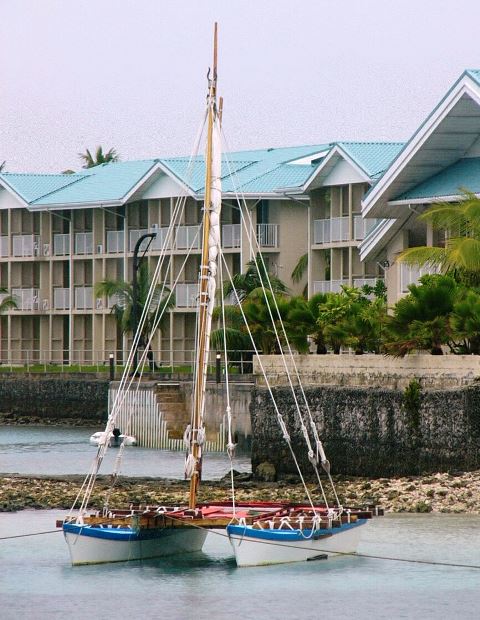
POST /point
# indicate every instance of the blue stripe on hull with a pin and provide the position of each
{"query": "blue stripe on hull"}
(289, 535)
(117, 533)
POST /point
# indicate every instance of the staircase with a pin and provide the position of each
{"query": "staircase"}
(171, 403)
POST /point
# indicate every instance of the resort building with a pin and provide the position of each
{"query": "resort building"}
(440, 160)
(61, 234)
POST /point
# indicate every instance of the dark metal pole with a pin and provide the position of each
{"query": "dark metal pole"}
(137, 261)
(111, 360)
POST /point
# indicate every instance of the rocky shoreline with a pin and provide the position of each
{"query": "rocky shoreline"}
(443, 492)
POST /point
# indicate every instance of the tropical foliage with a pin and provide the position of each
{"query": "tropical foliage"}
(90, 161)
(122, 292)
(460, 255)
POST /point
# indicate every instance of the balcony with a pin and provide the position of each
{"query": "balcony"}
(61, 298)
(115, 241)
(412, 274)
(4, 249)
(25, 245)
(83, 297)
(231, 235)
(83, 243)
(26, 298)
(267, 235)
(61, 245)
(188, 237)
(186, 295)
(336, 229)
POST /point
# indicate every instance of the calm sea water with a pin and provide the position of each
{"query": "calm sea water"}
(37, 581)
(65, 450)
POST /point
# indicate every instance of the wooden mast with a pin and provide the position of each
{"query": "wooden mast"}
(199, 390)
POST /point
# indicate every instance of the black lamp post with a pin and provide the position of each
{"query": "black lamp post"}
(137, 261)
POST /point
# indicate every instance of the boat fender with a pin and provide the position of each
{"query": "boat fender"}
(201, 436)
(187, 436)
(190, 464)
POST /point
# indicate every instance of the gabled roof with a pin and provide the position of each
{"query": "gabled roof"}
(442, 139)
(427, 167)
(372, 157)
(369, 159)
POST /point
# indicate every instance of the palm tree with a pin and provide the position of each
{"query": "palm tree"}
(122, 310)
(251, 280)
(460, 255)
(299, 271)
(421, 320)
(302, 322)
(100, 157)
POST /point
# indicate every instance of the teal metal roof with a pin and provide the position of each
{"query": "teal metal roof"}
(102, 183)
(283, 176)
(373, 157)
(33, 186)
(262, 171)
(464, 174)
(257, 171)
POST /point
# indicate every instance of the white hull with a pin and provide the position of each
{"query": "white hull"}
(92, 550)
(251, 551)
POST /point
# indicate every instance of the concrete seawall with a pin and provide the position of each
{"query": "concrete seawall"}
(371, 431)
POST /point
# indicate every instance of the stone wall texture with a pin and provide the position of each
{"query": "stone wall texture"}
(54, 397)
(370, 432)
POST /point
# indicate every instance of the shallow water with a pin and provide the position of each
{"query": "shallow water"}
(37, 581)
(57, 450)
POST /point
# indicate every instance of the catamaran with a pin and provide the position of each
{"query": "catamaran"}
(259, 532)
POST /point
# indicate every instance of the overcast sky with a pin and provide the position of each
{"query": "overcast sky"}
(131, 73)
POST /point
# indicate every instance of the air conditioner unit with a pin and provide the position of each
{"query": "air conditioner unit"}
(100, 248)
(154, 227)
(99, 303)
(35, 302)
(35, 249)
(45, 304)
(46, 249)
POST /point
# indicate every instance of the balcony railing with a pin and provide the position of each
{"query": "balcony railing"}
(188, 237)
(61, 245)
(337, 229)
(115, 241)
(335, 286)
(410, 274)
(163, 240)
(83, 297)
(83, 243)
(61, 298)
(231, 235)
(359, 282)
(4, 249)
(26, 298)
(25, 245)
(328, 286)
(186, 295)
(267, 235)
(134, 235)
